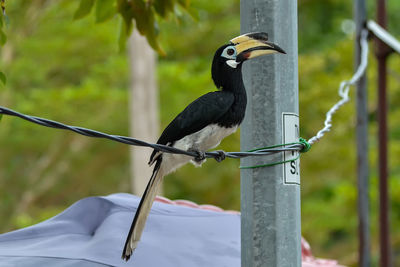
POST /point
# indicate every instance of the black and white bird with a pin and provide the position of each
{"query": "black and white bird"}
(204, 122)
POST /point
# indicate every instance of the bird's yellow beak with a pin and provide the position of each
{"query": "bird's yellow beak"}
(253, 45)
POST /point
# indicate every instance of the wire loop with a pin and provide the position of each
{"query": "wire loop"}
(306, 145)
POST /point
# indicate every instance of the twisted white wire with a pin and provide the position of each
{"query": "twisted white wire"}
(344, 88)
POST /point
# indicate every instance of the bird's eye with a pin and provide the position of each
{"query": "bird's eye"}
(229, 52)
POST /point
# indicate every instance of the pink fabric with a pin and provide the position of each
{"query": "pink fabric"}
(308, 260)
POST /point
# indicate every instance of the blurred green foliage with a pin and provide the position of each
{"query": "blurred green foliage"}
(72, 71)
(135, 13)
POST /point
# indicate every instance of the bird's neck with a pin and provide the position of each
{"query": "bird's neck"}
(237, 111)
(233, 83)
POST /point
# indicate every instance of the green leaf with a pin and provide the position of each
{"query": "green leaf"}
(124, 8)
(84, 9)
(164, 7)
(123, 36)
(146, 23)
(3, 78)
(3, 37)
(105, 9)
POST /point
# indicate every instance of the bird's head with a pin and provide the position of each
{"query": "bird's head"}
(228, 58)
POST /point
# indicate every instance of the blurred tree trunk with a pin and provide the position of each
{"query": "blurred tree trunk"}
(143, 108)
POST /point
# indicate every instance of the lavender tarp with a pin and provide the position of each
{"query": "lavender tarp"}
(92, 233)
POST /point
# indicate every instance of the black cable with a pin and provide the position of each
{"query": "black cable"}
(135, 142)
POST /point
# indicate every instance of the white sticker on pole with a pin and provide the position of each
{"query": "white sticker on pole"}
(291, 134)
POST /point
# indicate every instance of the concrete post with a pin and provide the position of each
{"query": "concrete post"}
(270, 202)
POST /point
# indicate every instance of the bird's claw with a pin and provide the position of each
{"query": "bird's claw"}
(221, 155)
(200, 156)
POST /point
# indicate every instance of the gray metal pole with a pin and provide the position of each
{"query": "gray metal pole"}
(360, 18)
(270, 202)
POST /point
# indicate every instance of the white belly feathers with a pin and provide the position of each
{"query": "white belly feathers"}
(203, 140)
(207, 138)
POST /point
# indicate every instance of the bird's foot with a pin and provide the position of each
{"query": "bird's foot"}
(201, 156)
(221, 155)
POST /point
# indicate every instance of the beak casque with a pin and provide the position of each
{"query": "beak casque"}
(253, 45)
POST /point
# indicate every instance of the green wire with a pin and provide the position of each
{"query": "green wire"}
(302, 141)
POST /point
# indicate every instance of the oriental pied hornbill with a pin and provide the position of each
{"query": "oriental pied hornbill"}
(203, 123)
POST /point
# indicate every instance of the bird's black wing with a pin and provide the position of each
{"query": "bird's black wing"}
(205, 110)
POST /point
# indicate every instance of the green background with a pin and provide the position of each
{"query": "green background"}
(73, 71)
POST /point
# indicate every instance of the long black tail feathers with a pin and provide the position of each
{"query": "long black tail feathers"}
(142, 212)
